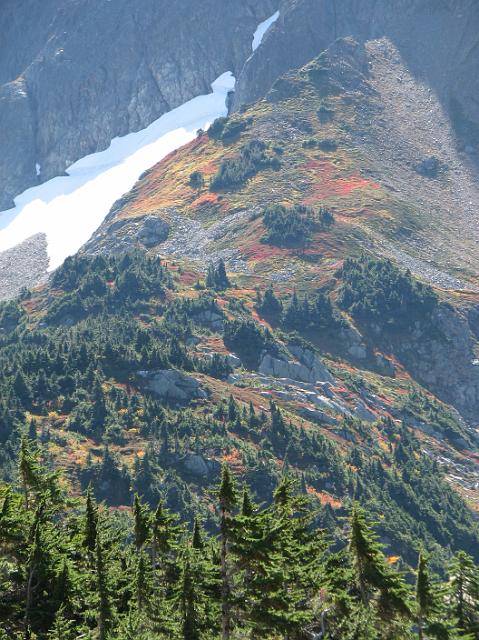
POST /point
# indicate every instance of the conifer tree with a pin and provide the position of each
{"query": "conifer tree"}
(379, 585)
(197, 541)
(91, 522)
(426, 602)
(165, 534)
(464, 592)
(29, 470)
(141, 515)
(247, 507)
(63, 628)
(190, 624)
(227, 500)
(105, 612)
(222, 281)
(142, 581)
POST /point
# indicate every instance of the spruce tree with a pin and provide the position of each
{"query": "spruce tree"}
(379, 585)
(464, 592)
(426, 601)
(91, 522)
(190, 623)
(141, 515)
(227, 500)
(197, 541)
(105, 612)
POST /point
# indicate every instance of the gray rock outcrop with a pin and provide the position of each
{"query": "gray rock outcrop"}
(173, 385)
(73, 75)
(200, 466)
(307, 367)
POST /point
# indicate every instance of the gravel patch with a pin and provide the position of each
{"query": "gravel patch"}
(23, 266)
(191, 240)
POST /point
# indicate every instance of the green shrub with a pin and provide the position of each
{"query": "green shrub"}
(196, 180)
(247, 339)
(376, 289)
(252, 158)
(293, 226)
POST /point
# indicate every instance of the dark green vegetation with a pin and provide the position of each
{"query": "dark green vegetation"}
(73, 381)
(216, 277)
(293, 226)
(71, 568)
(376, 289)
(227, 129)
(252, 158)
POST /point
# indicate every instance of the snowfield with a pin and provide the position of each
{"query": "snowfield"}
(68, 209)
(262, 29)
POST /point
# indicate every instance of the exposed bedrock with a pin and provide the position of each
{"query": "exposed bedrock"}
(438, 41)
(75, 75)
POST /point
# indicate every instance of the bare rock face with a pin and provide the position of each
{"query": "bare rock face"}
(438, 41)
(305, 367)
(442, 357)
(173, 385)
(73, 75)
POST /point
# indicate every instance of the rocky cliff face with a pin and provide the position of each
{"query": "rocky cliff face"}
(438, 41)
(74, 75)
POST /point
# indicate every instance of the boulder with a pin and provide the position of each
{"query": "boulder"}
(173, 385)
(233, 361)
(319, 373)
(196, 465)
(153, 231)
(210, 319)
(307, 368)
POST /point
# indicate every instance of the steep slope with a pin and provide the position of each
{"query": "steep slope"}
(312, 353)
(75, 75)
(332, 142)
(437, 41)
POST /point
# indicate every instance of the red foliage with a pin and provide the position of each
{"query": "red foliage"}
(324, 183)
(259, 251)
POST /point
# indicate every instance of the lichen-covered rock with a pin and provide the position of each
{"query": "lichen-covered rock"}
(312, 361)
(282, 368)
(153, 231)
(173, 385)
(200, 466)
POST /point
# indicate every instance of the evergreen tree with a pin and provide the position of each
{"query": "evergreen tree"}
(464, 592)
(142, 581)
(62, 629)
(105, 612)
(426, 599)
(190, 619)
(141, 516)
(227, 500)
(197, 541)
(379, 585)
(91, 522)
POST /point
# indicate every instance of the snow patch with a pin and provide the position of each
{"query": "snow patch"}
(38, 169)
(68, 209)
(262, 29)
